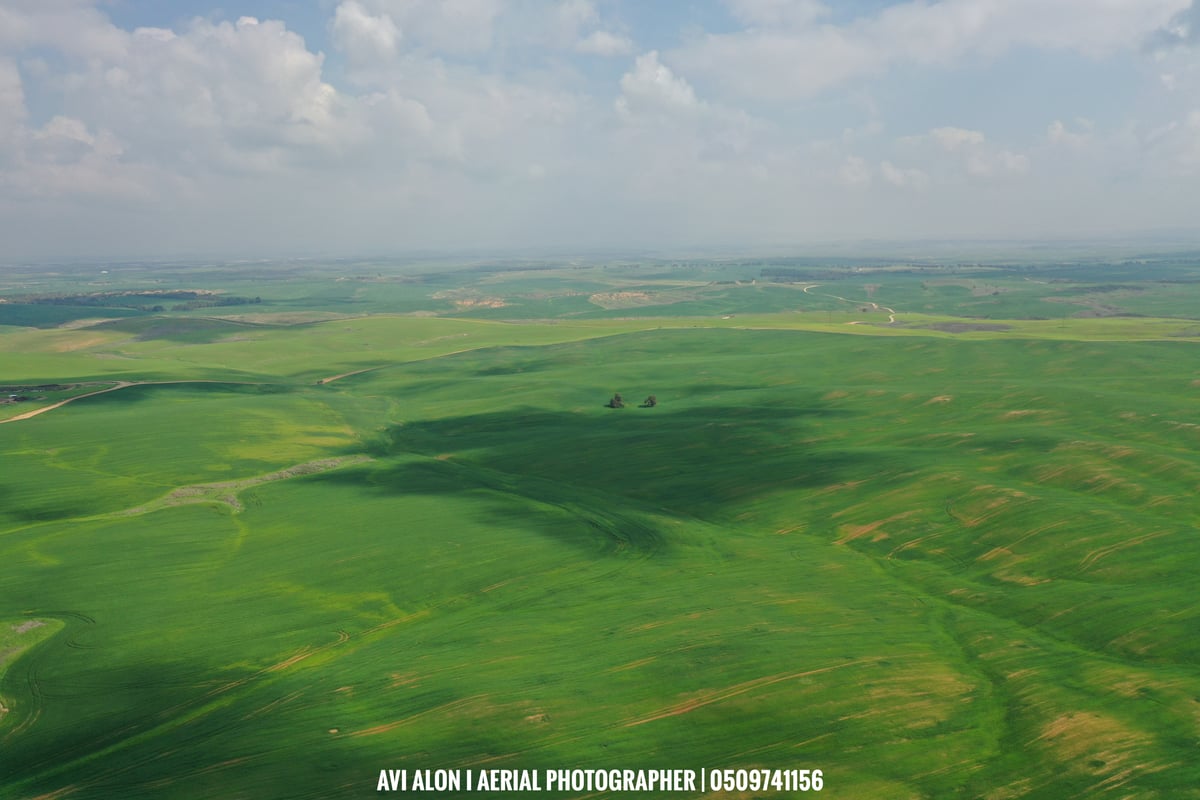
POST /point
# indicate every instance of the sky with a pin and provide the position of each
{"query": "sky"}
(260, 128)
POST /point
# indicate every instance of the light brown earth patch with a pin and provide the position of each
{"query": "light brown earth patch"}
(1025, 412)
(1020, 580)
(983, 503)
(57, 794)
(1083, 737)
(226, 492)
(332, 378)
(852, 532)
(481, 302)
(76, 324)
(80, 343)
(28, 625)
(621, 299)
(839, 487)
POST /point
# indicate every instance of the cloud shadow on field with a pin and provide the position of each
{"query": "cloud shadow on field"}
(615, 469)
(165, 731)
(186, 389)
(17, 507)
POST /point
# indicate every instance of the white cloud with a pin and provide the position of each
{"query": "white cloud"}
(772, 61)
(1175, 147)
(572, 15)
(778, 13)
(904, 178)
(237, 95)
(987, 164)
(74, 27)
(953, 139)
(12, 100)
(1190, 155)
(855, 172)
(970, 151)
(652, 88)
(61, 158)
(449, 26)
(1182, 30)
(364, 36)
(603, 43)
(1058, 134)
(64, 158)
(868, 130)
(778, 65)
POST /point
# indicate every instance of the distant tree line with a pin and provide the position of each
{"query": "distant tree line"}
(45, 387)
(137, 300)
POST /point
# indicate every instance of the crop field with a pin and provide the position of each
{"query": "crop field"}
(929, 528)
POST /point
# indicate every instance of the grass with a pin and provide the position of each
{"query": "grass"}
(929, 563)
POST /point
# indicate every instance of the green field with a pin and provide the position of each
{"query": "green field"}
(928, 528)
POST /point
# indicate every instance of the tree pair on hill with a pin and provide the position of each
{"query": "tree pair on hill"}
(619, 402)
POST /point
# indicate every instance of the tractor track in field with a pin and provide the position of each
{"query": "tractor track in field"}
(119, 385)
(719, 695)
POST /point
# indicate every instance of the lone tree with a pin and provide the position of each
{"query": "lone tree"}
(616, 401)
(650, 402)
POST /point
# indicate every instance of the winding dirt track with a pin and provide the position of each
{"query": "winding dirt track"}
(332, 378)
(118, 385)
(891, 311)
(60, 403)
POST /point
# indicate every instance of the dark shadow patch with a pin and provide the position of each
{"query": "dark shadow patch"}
(615, 469)
(147, 391)
(161, 735)
(31, 315)
(190, 330)
(518, 368)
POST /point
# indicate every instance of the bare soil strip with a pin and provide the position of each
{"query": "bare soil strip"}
(60, 403)
(226, 491)
(332, 378)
